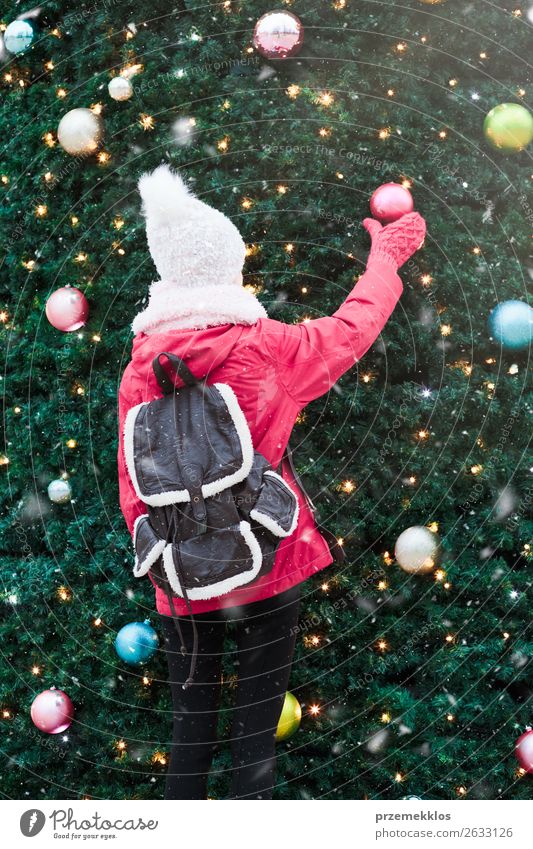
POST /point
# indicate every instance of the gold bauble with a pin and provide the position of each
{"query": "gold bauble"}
(290, 718)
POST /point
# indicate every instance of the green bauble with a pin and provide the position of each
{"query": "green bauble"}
(509, 127)
(290, 718)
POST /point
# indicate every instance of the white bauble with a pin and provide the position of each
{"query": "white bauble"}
(80, 132)
(417, 550)
(59, 491)
(120, 88)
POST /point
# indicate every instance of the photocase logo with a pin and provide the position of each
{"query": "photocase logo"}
(32, 822)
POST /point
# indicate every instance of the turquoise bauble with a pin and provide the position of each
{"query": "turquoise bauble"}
(18, 36)
(136, 643)
(511, 324)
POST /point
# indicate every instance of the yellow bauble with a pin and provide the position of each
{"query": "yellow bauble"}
(431, 2)
(417, 550)
(80, 132)
(290, 718)
(509, 127)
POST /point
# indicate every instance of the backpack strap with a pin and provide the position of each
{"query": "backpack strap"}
(180, 368)
(336, 549)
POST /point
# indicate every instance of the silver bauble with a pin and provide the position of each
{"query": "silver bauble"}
(59, 491)
(80, 132)
(417, 550)
(120, 88)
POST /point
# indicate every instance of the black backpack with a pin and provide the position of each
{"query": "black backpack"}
(216, 510)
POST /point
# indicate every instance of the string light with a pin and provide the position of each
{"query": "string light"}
(223, 144)
(387, 559)
(289, 248)
(517, 13)
(159, 758)
(526, 551)
(41, 210)
(8, 77)
(411, 480)
(339, 4)
(74, 220)
(97, 108)
(506, 635)
(49, 139)
(103, 157)
(5, 179)
(382, 645)
(445, 329)
(6, 714)
(17, 410)
(71, 443)
(252, 250)
(347, 486)
(282, 190)
(121, 745)
(96, 337)
(447, 585)
(461, 791)
(384, 133)
(36, 670)
(324, 132)
(477, 469)
(49, 66)
(97, 622)
(407, 184)
(390, 92)
(452, 83)
(440, 574)
(426, 279)
(61, 93)
(382, 585)
(483, 55)
(324, 587)
(146, 681)
(449, 638)
(326, 99)
(314, 710)
(64, 594)
(246, 203)
(399, 777)
(293, 91)
(29, 264)
(49, 177)
(401, 47)
(3, 316)
(423, 434)
(450, 717)
(385, 717)
(55, 32)
(368, 377)
(81, 257)
(146, 121)
(339, 176)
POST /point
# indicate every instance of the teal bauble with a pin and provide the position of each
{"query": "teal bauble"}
(511, 324)
(18, 36)
(136, 643)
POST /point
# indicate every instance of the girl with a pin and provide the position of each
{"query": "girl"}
(200, 311)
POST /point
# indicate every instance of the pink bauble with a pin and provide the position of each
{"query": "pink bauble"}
(278, 35)
(67, 309)
(390, 202)
(524, 751)
(52, 711)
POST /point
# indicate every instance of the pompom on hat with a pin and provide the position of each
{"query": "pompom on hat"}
(199, 255)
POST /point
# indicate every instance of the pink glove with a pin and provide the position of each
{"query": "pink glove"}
(396, 242)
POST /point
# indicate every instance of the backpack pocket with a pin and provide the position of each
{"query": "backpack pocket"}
(147, 544)
(213, 563)
(276, 508)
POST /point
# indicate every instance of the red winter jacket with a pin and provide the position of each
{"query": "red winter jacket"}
(275, 369)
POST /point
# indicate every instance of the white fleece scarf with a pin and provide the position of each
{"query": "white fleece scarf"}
(172, 306)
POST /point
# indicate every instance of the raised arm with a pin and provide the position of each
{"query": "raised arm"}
(311, 356)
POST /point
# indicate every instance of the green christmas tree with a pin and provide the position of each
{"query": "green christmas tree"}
(409, 684)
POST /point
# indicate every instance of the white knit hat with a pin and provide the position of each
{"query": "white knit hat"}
(199, 255)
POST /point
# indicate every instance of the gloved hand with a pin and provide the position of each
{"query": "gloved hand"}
(396, 242)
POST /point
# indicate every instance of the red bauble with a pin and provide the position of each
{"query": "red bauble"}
(52, 711)
(278, 35)
(390, 202)
(524, 751)
(67, 309)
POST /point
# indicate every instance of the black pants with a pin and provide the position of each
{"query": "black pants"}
(265, 638)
